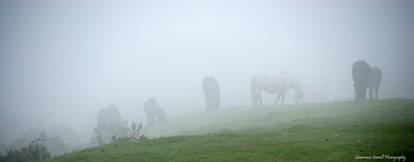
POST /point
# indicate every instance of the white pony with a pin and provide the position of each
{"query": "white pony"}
(279, 84)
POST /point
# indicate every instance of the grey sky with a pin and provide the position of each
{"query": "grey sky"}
(62, 61)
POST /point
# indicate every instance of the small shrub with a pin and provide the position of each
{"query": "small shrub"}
(130, 132)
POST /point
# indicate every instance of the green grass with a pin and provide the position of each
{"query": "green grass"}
(308, 132)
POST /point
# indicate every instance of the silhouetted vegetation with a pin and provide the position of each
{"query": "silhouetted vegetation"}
(35, 151)
(307, 132)
(54, 144)
(130, 132)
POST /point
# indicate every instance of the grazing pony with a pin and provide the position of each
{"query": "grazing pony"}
(361, 72)
(211, 90)
(279, 84)
(154, 112)
(374, 82)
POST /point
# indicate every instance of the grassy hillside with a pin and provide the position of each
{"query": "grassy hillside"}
(307, 132)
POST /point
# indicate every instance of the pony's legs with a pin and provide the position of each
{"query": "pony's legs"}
(254, 98)
(360, 92)
(151, 119)
(208, 103)
(216, 102)
(376, 92)
(162, 118)
(357, 94)
(283, 98)
(371, 93)
(363, 93)
(277, 99)
(259, 97)
(255, 102)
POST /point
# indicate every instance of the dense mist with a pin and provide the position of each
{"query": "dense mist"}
(62, 61)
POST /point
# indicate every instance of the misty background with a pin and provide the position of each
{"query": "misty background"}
(61, 61)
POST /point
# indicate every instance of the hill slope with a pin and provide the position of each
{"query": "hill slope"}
(308, 132)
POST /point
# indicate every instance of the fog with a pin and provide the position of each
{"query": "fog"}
(61, 61)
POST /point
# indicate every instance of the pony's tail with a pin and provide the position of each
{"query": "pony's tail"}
(253, 91)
